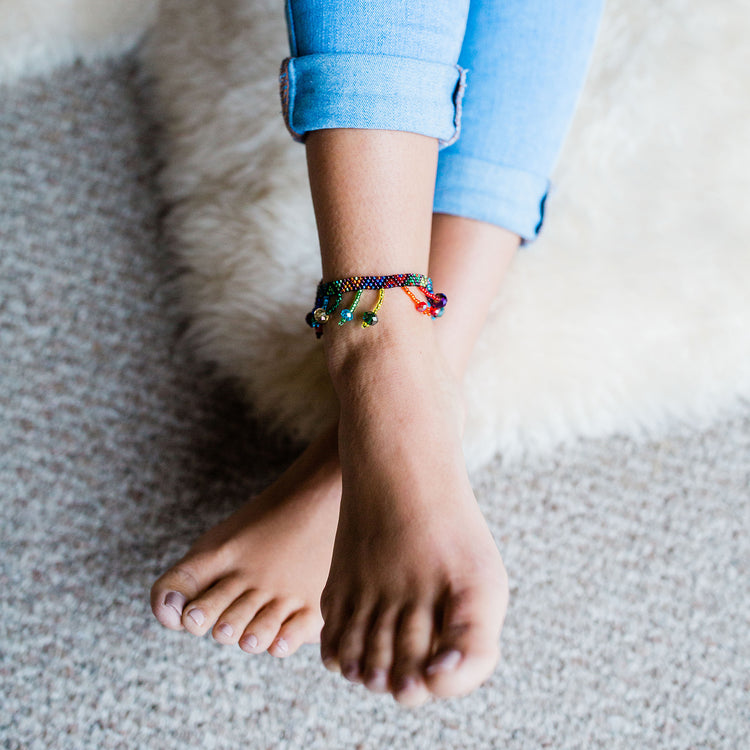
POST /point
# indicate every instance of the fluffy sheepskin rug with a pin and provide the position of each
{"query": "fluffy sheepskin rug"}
(37, 36)
(632, 310)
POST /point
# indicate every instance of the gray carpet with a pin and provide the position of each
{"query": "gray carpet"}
(629, 561)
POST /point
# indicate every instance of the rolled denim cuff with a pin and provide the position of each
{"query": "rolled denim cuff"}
(378, 92)
(505, 196)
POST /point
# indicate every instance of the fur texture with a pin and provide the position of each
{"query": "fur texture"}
(631, 311)
(37, 36)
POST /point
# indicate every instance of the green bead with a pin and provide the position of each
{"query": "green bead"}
(369, 318)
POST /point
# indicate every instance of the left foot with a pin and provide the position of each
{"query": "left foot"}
(255, 579)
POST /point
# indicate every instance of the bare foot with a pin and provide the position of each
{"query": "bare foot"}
(417, 592)
(256, 578)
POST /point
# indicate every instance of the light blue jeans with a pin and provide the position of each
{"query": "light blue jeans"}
(504, 75)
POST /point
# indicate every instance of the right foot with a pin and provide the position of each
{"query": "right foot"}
(256, 578)
(417, 592)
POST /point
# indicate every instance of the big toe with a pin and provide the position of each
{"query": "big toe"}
(170, 593)
(467, 647)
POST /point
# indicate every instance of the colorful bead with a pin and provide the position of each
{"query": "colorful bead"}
(320, 315)
(439, 300)
(369, 319)
(347, 315)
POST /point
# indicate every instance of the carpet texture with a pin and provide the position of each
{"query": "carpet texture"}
(631, 312)
(629, 560)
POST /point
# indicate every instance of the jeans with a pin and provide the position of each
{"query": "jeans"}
(495, 81)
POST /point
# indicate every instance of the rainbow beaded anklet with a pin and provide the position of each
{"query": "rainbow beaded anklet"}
(331, 293)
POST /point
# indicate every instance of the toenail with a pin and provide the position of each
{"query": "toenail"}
(226, 630)
(377, 679)
(444, 662)
(350, 671)
(406, 684)
(331, 664)
(282, 646)
(176, 601)
(197, 616)
(250, 642)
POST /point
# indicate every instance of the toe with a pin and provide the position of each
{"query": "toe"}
(202, 612)
(231, 623)
(467, 646)
(411, 649)
(173, 590)
(351, 648)
(335, 617)
(302, 627)
(378, 657)
(264, 627)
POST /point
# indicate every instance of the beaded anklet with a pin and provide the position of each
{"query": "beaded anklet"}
(331, 293)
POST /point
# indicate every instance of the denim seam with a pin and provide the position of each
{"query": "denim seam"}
(290, 28)
(458, 96)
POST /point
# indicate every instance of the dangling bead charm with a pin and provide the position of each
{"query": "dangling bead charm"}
(369, 319)
(348, 314)
(423, 307)
(320, 315)
(439, 300)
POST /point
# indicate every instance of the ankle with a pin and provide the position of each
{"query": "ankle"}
(401, 343)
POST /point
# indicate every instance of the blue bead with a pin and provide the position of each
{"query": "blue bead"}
(347, 315)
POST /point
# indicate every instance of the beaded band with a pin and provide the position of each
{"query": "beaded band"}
(331, 293)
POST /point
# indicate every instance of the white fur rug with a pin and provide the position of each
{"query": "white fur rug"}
(37, 36)
(631, 311)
